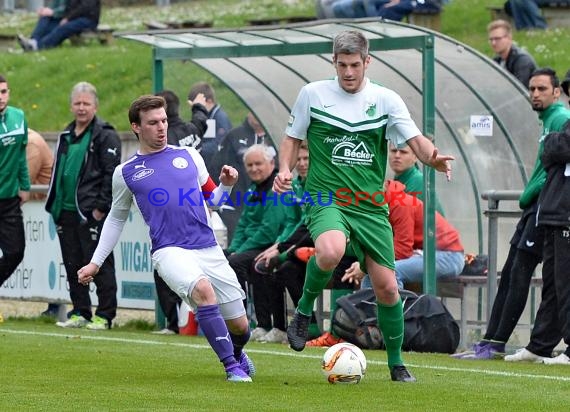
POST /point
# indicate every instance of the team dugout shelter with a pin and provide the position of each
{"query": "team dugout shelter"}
(471, 107)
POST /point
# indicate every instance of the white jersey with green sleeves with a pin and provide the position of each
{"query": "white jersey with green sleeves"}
(348, 139)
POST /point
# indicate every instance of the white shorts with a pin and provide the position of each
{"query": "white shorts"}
(182, 268)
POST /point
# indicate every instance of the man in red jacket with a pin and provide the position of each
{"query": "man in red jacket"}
(406, 218)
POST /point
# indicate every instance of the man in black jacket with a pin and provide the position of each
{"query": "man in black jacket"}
(79, 198)
(231, 152)
(181, 133)
(553, 316)
(79, 16)
(565, 84)
(515, 60)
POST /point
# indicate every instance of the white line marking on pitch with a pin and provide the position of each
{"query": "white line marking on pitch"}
(288, 353)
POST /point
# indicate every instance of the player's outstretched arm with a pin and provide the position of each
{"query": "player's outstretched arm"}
(429, 155)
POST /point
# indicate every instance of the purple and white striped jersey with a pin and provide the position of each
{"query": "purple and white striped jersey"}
(167, 189)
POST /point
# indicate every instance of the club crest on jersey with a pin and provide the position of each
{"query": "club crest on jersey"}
(180, 163)
(349, 153)
(370, 109)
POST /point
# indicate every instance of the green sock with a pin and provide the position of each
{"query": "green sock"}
(391, 323)
(315, 281)
(282, 257)
(335, 294)
(314, 331)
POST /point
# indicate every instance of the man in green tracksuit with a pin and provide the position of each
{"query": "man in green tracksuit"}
(14, 183)
(263, 218)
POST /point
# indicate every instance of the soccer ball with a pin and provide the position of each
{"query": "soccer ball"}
(344, 363)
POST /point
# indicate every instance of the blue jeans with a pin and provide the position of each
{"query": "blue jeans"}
(527, 15)
(65, 31)
(44, 26)
(411, 270)
(352, 9)
(397, 12)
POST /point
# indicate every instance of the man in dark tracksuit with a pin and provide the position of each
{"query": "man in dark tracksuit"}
(526, 245)
(79, 199)
(545, 334)
(553, 317)
(14, 183)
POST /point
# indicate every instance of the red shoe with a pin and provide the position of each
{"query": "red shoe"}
(324, 341)
(304, 253)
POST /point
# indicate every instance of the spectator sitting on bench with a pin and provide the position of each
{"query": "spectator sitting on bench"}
(54, 26)
(406, 218)
(526, 13)
(260, 223)
(388, 9)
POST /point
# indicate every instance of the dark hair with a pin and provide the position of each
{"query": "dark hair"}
(547, 71)
(144, 104)
(204, 88)
(172, 102)
(3, 79)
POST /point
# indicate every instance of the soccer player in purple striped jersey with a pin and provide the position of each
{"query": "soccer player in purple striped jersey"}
(172, 189)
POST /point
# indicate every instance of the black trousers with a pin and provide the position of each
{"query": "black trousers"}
(169, 302)
(268, 296)
(78, 241)
(12, 237)
(553, 317)
(512, 294)
(524, 255)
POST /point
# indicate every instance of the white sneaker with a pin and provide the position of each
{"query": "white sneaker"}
(561, 359)
(257, 334)
(524, 355)
(274, 336)
(164, 331)
(75, 321)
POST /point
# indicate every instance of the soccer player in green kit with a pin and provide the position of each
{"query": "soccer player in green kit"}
(347, 122)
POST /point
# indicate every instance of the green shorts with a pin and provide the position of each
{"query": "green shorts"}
(369, 234)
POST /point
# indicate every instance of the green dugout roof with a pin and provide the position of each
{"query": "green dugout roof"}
(443, 82)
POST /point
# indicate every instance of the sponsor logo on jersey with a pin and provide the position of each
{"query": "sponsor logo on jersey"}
(349, 153)
(141, 174)
(9, 140)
